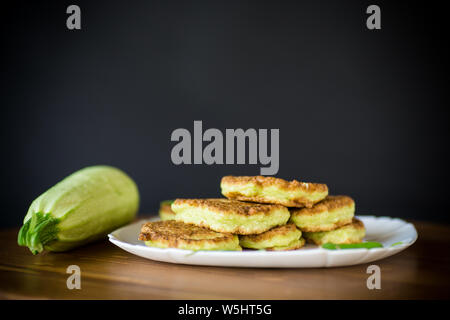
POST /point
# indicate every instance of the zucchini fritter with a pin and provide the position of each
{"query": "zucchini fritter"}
(286, 237)
(230, 216)
(273, 190)
(350, 233)
(177, 234)
(329, 214)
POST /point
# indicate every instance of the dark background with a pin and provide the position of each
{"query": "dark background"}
(363, 111)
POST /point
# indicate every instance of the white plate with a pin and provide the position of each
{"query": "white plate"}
(381, 229)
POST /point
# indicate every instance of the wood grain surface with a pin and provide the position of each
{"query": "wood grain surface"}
(107, 272)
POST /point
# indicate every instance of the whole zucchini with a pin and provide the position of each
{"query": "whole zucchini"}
(83, 207)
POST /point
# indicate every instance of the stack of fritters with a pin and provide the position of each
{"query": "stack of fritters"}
(259, 213)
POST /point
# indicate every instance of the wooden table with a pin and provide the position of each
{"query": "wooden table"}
(107, 272)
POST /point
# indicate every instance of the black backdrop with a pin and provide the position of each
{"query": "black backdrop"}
(363, 111)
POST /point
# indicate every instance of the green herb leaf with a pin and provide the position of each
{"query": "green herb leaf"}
(363, 245)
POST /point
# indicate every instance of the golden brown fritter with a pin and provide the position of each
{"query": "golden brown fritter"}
(353, 232)
(268, 235)
(273, 190)
(177, 234)
(230, 216)
(227, 206)
(286, 237)
(330, 203)
(291, 246)
(329, 214)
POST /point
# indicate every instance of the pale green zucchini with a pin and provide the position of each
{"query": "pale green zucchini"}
(83, 207)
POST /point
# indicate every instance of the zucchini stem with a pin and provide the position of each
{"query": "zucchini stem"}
(38, 231)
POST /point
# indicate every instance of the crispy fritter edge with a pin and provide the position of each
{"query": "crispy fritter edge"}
(272, 181)
(149, 234)
(226, 206)
(330, 203)
(276, 231)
